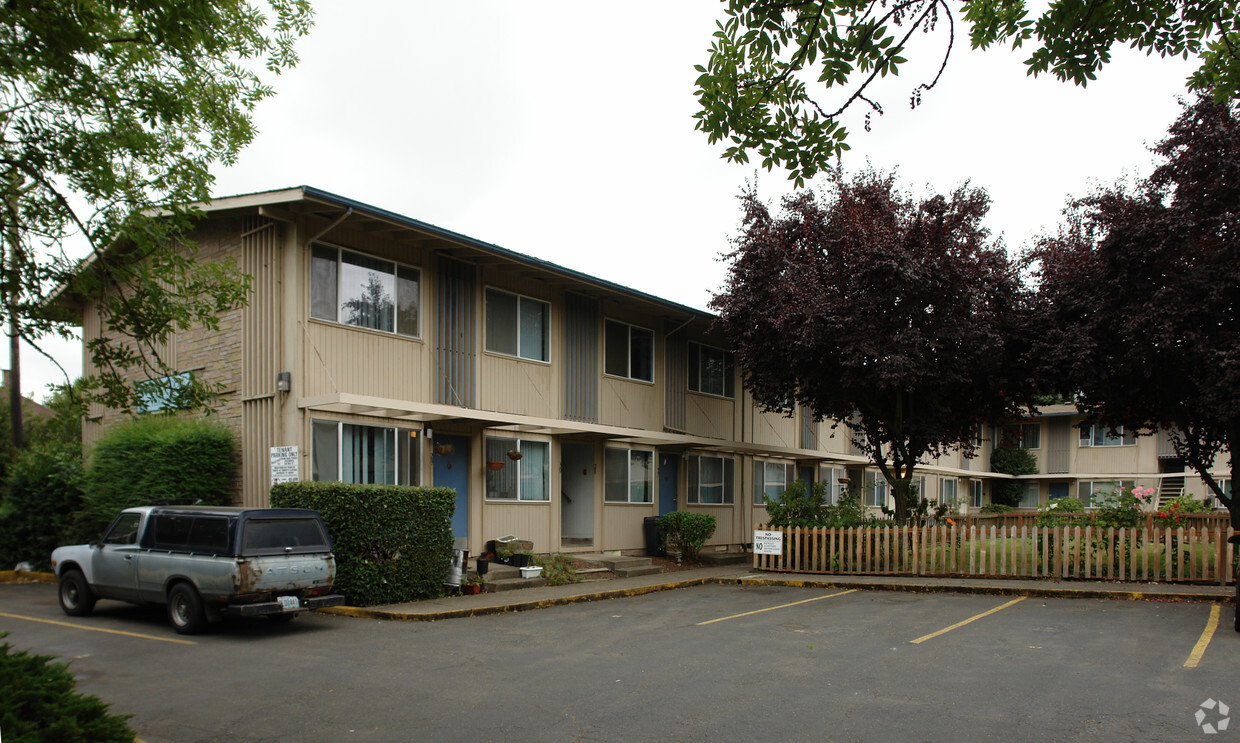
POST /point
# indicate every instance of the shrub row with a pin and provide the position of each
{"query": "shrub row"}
(392, 543)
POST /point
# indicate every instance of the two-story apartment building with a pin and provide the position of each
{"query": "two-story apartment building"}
(1078, 460)
(563, 408)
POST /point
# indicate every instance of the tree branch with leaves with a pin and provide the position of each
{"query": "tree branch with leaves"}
(774, 65)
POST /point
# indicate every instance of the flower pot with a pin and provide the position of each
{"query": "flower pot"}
(495, 466)
(482, 566)
(514, 455)
(471, 589)
(443, 450)
(531, 571)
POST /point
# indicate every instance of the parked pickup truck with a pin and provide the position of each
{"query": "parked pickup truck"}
(204, 562)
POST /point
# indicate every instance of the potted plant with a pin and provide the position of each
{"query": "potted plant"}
(474, 585)
(495, 466)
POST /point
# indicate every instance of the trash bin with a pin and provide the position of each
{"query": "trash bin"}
(654, 545)
(456, 572)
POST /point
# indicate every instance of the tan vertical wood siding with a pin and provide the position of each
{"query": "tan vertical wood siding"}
(262, 334)
(511, 385)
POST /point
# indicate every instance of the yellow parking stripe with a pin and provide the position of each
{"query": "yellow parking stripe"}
(1200, 648)
(99, 629)
(773, 608)
(958, 625)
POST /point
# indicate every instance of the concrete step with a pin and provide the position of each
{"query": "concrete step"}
(512, 584)
(637, 570)
(725, 558)
(623, 565)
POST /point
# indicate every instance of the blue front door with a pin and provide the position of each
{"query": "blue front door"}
(451, 470)
(669, 469)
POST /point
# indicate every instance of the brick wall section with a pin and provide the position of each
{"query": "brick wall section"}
(214, 356)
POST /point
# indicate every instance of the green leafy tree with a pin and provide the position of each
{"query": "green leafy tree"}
(782, 72)
(1011, 460)
(111, 114)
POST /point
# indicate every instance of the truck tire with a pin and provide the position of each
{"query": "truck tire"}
(76, 598)
(185, 610)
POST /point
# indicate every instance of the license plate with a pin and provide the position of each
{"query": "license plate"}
(289, 603)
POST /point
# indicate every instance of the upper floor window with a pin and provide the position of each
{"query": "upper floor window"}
(1098, 435)
(628, 476)
(361, 290)
(711, 370)
(526, 478)
(165, 393)
(771, 478)
(629, 351)
(516, 325)
(711, 480)
(1023, 436)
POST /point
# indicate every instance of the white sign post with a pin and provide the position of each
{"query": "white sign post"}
(285, 464)
(768, 542)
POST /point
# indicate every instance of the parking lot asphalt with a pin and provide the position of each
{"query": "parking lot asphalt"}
(540, 597)
(545, 596)
(731, 659)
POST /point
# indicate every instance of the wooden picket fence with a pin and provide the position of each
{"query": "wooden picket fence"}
(1189, 555)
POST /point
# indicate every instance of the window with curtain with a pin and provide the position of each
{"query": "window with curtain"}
(711, 480)
(628, 476)
(370, 455)
(771, 479)
(524, 479)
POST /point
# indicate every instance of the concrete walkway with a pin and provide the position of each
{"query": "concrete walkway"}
(546, 596)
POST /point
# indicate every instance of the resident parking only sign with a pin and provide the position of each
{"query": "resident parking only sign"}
(768, 542)
(284, 464)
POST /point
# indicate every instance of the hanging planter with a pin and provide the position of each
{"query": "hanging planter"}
(443, 450)
(514, 455)
(495, 466)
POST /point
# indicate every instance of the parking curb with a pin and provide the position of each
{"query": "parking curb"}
(14, 575)
(1071, 593)
(744, 580)
(479, 611)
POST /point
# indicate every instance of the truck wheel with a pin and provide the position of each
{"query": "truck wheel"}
(76, 598)
(185, 610)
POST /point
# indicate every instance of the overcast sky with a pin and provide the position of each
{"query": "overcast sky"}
(564, 130)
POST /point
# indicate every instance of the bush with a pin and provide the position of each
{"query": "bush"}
(151, 458)
(44, 490)
(1061, 512)
(686, 532)
(557, 569)
(38, 702)
(997, 508)
(392, 543)
(798, 506)
(1011, 461)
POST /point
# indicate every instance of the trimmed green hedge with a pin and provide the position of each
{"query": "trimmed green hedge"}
(155, 457)
(392, 543)
(38, 702)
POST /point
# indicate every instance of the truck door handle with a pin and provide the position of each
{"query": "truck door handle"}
(128, 557)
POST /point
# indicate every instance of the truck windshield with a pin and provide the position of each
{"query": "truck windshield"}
(270, 536)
